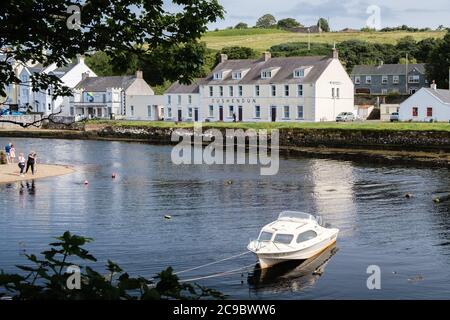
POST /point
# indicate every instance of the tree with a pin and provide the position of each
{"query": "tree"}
(266, 21)
(439, 63)
(49, 278)
(57, 35)
(323, 24)
(425, 48)
(235, 53)
(241, 25)
(407, 45)
(288, 23)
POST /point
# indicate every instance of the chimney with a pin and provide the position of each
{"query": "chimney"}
(80, 58)
(223, 58)
(434, 85)
(267, 56)
(139, 74)
(335, 52)
(381, 63)
(84, 75)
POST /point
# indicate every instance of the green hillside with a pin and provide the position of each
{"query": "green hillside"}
(263, 39)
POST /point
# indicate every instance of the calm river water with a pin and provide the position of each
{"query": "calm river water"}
(409, 239)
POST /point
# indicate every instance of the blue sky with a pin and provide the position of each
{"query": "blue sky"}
(342, 13)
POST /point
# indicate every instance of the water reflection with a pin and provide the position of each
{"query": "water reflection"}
(291, 276)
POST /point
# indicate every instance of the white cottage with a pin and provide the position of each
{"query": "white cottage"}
(428, 104)
(268, 89)
(42, 101)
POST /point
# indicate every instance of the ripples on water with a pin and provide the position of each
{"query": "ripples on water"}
(213, 219)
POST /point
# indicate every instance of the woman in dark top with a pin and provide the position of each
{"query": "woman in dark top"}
(31, 162)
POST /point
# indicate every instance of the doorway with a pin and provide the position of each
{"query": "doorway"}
(273, 114)
(221, 113)
(240, 116)
(180, 115)
(196, 114)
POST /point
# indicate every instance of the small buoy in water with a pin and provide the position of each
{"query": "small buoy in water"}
(86, 182)
(229, 182)
(167, 217)
(408, 196)
(113, 175)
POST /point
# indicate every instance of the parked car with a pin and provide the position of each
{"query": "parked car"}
(395, 117)
(345, 116)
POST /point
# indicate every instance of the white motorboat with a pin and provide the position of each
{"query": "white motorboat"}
(294, 236)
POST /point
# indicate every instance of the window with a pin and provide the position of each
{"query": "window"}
(237, 75)
(189, 112)
(274, 90)
(384, 79)
(384, 91)
(266, 74)
(265, 236)
(211, 91)
(230, 111)
(179, 99)
(429, 112)
(211, 111)
(395, 79)
(169, 112)
(231, 91)
(300, 112)
(305, 236)
(338, 93)
(257, 90)
(286, 90)
(132, 110)
(169, 99)
(299, 73)
(412, 91)
(300, 90)
(357, 80)
(149, 111)
(414, 79)
(221, 91)
(333, 92)
(240, 89)
(257, 112)
(218, 76)
(72, 112)
(369, 79)
(189, 99)
(286, 112)
(415, 112)
(283, 238)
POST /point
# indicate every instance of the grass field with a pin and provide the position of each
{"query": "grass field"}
(263, 39)
(398, 126)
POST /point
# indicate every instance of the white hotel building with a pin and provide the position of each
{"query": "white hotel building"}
(268, 89)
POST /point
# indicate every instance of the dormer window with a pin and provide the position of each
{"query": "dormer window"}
(267, 74)
(237, 75)
(299, 73)
(221, 74)
(218, 76)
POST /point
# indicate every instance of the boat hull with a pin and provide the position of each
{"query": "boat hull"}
(269, 260)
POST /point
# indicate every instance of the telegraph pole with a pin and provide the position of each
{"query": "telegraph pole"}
(406, 74)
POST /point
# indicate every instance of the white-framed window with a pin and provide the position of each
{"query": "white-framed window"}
(300, 114)
(179, 99)
(274, 90)
(132, 110)
(384, 79)
(237, 75)
(149, 111)
(221, 91)
(230, 111)
(266, 74)
(211, 91)
(299, 73)
(211, 111)
(414, 79)
(286, 90)
(169, 112)
(240, 91)
(190, 113)
(384, 91)
(368, 79)
(396, 79)
(169, 99)
(300, 90)
(231, 91)
(218, 76)
(333, 92)
(257, 112)
(357, 80)
(338, 93)
(286, 112)
(189, 99)
(257, 90)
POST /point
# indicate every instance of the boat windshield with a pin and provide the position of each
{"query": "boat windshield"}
(296, 215)
(283, 238)
(265, 236)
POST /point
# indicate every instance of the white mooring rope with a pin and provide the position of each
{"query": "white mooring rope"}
(221, 274)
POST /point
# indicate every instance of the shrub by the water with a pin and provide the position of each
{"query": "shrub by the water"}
(3, 159)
